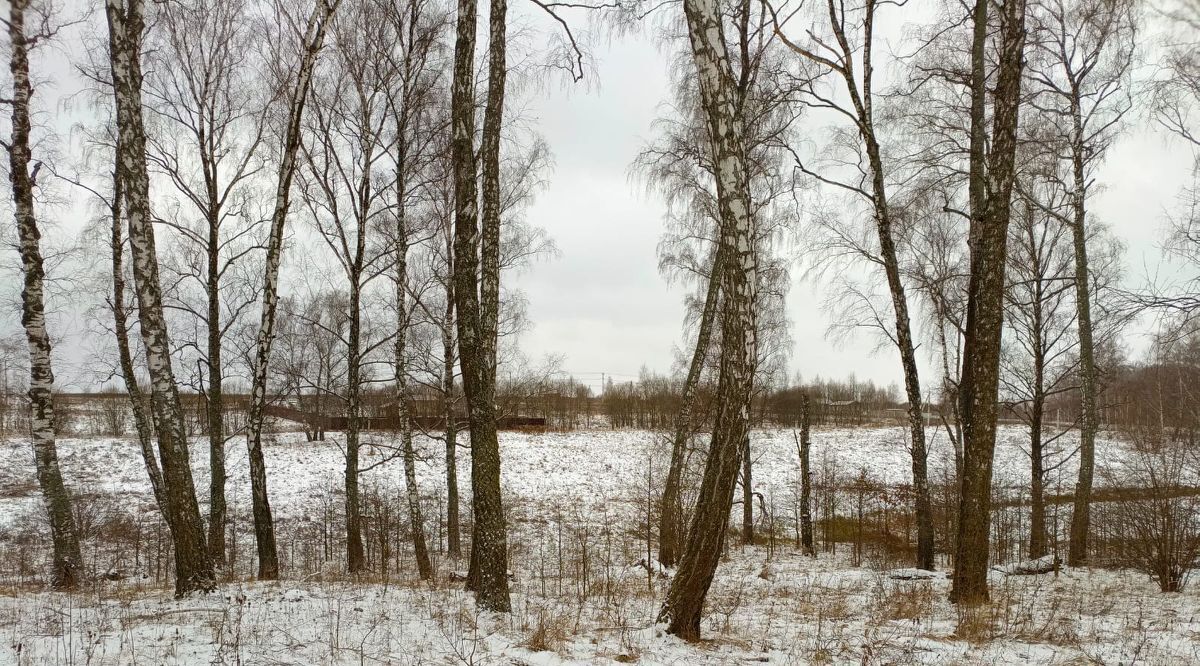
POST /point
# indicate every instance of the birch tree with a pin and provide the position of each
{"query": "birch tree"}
(207, 129)
(193, 566)
(1038, 361)
(101, 142)
(843, 49)
(684, 605)
(417, 152)
(67, 572)
(142, 417)
(679, 167)
(938, 272)
(435, 350)
(992, 169)
(804, 445)
(476, 292)
(1080, 65)
(294, 87)
(347, 190)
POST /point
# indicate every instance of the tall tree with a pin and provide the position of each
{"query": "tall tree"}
(848, 34)
(296, 93)
(205, 142)
(679, 166)
(476, 292)
(437, 366)
(1037, 365)
(104, 137)
(68, 563)
(403, 407)
(671, 517)
(142, 416)
(193, 566)
(992, 171)
(416, 151)
(718, 93)
(1080, 62)
(347, 192)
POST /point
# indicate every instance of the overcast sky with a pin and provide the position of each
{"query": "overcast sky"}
(603, 306)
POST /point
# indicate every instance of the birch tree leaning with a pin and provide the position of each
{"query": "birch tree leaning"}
(706, 533)
(847, 34)
(193, 567)
(142, 417)
(678, 165)
(310, 43)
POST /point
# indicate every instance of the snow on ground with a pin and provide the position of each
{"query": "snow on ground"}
(765, 606)
(786, 610)
(583, 470)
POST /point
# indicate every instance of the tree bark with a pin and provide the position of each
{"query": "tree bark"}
(68, 563)
(806, 528)
(908, 350)
(671, 519)
(355, 555)
(416, 523)
(215, 404)
(747, 492)
(718, 93)
(1037, 488)
(193, 567)
(1037, 409)
(862, 104)
(489, 550)
(454, 541)
(264, 524)
(991, 183)
(142, 419)
(1077, 554)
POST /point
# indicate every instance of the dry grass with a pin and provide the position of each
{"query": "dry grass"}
(976, 623)
(18, 489)
(905, 601)
(549, 633)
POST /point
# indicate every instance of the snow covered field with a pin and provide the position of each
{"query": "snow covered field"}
(584, 470)
(576, 508)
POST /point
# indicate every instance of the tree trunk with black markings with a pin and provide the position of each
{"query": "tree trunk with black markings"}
(476, 279)
(264, 524)
(684, 605)
(68, 563)
(861, 107)
(671, 518)
(215, 404)
(747, 493)
(806, 528)
(1077, 553)
(142, 418)
(193, 566)
(453, 540)
(356, 560)
(403, 319)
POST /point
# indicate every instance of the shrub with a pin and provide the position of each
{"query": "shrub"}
(1158, 526)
